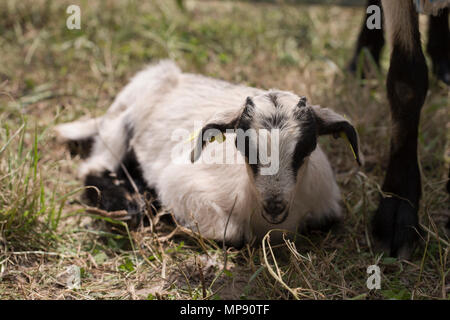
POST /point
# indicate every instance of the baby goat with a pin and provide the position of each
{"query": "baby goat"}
(268, 173)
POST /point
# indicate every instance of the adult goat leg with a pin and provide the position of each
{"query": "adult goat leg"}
(395, 224)
(370, 39)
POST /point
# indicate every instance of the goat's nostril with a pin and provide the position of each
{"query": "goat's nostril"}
(274, 207)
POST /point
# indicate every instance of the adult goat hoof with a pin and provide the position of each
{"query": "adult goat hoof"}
(395, 227)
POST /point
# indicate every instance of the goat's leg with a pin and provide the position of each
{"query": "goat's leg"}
(438, 46)
(395, 224)
(122, 191)
(372, 40)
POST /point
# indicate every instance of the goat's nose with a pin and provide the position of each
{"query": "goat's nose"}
(274, 207)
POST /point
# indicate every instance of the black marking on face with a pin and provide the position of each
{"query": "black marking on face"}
(308, 138)
(275, 120)
(248, 148)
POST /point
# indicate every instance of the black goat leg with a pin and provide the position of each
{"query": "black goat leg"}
(370, 39)
(395, 224)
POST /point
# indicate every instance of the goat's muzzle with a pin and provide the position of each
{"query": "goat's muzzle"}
(275, 211)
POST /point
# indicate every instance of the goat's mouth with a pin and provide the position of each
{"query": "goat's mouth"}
(275, 218)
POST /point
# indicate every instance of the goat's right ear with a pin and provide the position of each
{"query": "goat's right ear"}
(220, 123)
(329, 122)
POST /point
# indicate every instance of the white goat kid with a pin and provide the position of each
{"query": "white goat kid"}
(151, 117)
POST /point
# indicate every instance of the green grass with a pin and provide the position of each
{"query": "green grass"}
(50, 74)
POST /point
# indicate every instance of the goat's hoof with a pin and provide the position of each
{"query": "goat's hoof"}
(135, 218)
(396, 228)
(441, 69)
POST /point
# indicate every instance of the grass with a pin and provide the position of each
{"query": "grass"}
(50, 74)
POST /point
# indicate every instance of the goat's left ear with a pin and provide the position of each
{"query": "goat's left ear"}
(220, 123)
(329, 122)
(214, 128)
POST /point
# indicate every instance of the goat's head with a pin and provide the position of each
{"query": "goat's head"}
(276, 132)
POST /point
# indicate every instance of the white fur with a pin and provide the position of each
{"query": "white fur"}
(161, 99)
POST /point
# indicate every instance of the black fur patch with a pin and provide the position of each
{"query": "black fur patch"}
(438, 46)
(246, 149)
(308, 138)
(83, 147)
(113, 191)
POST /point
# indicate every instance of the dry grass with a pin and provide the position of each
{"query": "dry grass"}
(50, 75)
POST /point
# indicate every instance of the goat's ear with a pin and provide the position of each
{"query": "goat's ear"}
(210, 130)
(220, 123)
(329, 122)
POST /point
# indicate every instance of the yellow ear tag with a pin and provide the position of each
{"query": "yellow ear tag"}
(219, 138)
(343, 135)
